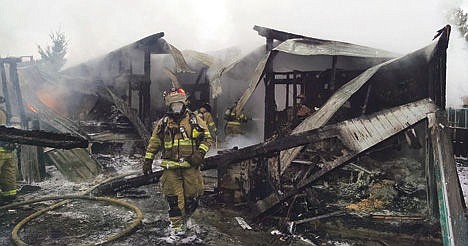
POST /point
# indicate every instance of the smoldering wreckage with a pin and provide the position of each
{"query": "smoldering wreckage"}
(347, 145)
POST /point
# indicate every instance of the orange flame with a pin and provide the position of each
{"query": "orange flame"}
(32, 108)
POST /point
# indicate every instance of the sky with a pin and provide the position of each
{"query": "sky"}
(96, 27)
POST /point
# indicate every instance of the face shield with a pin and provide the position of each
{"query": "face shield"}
(177, 107)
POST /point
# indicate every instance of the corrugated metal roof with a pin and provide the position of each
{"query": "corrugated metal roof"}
(307, 47)
(334, 103)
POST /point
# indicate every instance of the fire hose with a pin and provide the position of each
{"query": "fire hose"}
(84, 196)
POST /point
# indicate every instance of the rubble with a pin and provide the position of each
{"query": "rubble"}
(372, 162)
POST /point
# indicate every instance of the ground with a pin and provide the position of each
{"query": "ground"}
(81, 222)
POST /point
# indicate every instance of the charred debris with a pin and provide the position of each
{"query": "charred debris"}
(375, 158)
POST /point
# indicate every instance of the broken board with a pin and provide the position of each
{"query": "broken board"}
(76, 165)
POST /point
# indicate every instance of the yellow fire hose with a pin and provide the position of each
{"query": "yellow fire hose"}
(128, 229)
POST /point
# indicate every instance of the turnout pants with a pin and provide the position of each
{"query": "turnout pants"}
(7, 175)
(181, 187)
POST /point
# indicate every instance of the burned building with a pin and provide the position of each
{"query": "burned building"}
(375, 113)
(370, 160)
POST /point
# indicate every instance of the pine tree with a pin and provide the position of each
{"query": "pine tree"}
(458, 18)
(53, 56)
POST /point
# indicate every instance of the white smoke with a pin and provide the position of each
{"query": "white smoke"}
(457, 54)
(457, 72)
(97, 27)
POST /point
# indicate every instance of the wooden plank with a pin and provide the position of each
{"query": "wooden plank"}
(412, 112)
(380, 123)
(75, 165)
(396, 124)
(366, 139)
(373, 126)
(30, 164)
(410, 116)
(383, 122)
(87, 161)
(453, 220)
(357, 136)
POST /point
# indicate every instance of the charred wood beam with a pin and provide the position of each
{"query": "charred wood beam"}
(125, 183)
(19, 98)
(5, 92)
(145, 90)
(270, 148)
(333, 74)
(42, 138)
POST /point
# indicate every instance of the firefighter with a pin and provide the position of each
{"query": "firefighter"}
(234, 122)
(204, 112)
(7, 165)
(184, 139)
(302, 111)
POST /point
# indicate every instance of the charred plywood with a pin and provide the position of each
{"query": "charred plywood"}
(77, 165)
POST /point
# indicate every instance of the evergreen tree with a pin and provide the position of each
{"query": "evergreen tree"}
(53, 56)
(458, 18)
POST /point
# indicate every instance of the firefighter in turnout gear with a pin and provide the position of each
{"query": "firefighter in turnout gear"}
(184, 139)
(7, 165)
(233, 122)
(302, 111)
(204, 112)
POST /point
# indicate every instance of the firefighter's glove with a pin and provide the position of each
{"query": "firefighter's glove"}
(148, 166)
(196, 159)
